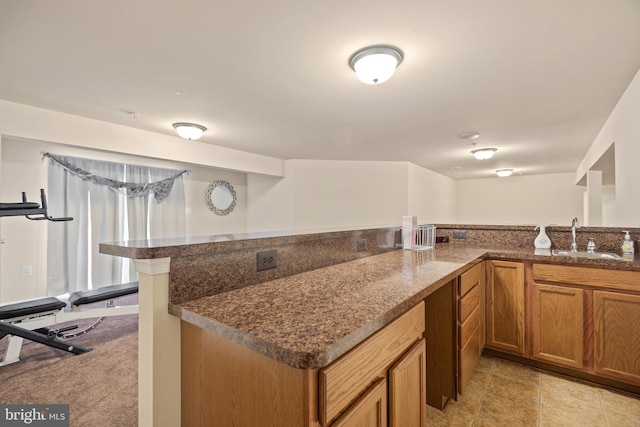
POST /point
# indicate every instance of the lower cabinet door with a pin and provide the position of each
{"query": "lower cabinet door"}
(408, 388)
(616, 336)
(558, 324)
(468, 356)
(505, 306)
(370, 410)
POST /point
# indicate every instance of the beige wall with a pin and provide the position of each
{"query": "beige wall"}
(622, 128)
(23, 121)
(320, 194)
(538, 199)
(348, 193)
(432, 197)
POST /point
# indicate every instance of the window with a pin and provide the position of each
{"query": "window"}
(109, 202)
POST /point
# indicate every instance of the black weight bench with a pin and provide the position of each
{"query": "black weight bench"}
(30, 210)
(103, 294)
(28, 309)
(30, 319)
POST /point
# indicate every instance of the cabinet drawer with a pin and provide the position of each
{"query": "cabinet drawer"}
(469, 279)
(342, 381)
(469, 326)
(468, 303)
(468, 358)
(587, 276)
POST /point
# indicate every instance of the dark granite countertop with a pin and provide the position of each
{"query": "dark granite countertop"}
(310, 319)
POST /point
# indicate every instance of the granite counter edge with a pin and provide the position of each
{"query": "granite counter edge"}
(320, 357)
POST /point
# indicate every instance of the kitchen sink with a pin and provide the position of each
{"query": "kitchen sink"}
(584, 254)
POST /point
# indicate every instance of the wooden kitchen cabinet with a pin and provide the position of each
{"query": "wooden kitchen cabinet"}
(558, 324)
(369, 410)
(586, 319)
(408, 388)
(617, 336)
(505, 306)
(396, 402)
(470, 323)
(228, 384)
(396, 352)
(442, 347)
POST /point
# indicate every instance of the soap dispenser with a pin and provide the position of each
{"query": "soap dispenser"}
(542, 241)
(627, 244)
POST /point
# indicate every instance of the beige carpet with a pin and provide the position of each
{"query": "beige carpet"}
(101, 387)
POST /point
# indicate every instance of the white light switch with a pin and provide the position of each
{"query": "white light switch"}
(27, 270)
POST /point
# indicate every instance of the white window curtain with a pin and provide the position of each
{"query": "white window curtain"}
(108, 202)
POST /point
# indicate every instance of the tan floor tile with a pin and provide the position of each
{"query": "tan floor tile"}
(468, 402)
(449, 417)
(562, 386)
(573, 413)
(508, 403)
(506, 415)
(512, 392)
(516, 372)
(567, 403)
(479, 380)
(571, 420)
(620, 409)
(485, 364)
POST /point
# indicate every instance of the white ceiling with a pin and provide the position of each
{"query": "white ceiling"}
(536, 78)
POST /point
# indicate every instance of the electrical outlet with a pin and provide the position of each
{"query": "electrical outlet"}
(27, 270)
(362, 245)
(267, 259)
(459, 234)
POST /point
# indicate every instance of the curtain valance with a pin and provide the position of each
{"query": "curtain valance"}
(159, 189)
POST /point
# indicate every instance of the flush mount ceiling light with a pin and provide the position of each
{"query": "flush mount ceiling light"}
(504, 172)
(469, 135)
(484, 153)
(375, 64)
(189, 130)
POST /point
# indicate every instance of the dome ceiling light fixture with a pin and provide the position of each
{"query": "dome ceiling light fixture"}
(376, 64)
(189, 131)
(502, 173)
(483, 153)
(470, 136)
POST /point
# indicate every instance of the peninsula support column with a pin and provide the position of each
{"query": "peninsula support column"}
(158, 347)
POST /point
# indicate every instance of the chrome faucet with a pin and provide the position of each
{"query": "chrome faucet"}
(574, 227)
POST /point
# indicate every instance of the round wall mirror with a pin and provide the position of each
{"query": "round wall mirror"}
(220, 197)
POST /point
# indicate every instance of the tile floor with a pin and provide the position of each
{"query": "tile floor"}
(504, 393)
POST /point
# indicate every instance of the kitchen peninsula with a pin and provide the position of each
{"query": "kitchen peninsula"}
(218, 337)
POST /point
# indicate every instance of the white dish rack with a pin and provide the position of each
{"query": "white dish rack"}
(421, 237)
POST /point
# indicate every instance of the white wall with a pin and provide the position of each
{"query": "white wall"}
(538, 199)
(348, 193)
(622, 128)
(432, 197)
(270, 202)
(25, 242)
(28, 122)
(337, 194)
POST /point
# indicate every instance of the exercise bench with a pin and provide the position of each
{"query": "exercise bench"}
(31, 319)
(30, 210)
